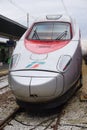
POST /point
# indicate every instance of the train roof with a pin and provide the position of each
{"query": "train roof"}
(59, 17)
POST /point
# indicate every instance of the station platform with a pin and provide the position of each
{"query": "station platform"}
(4, 69)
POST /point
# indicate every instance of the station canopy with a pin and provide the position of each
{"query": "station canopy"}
(11, 29)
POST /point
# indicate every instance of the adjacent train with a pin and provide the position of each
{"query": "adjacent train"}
(46, 65)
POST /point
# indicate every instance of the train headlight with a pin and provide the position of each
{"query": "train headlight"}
(14, 61)
(63, 63)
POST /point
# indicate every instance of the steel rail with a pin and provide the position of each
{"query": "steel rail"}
(6, 86)
(3, 77)
(9, 118)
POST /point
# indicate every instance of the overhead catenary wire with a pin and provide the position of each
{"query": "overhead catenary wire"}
(64, 7)
(28, 14)
(17, 6)
(20, 8)
(23, 10)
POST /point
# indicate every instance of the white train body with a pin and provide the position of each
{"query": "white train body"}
(43, 70)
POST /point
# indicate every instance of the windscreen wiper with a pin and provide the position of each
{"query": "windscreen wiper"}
(35, 35)
(61, 35)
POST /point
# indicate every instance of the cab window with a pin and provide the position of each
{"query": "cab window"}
(50, 31)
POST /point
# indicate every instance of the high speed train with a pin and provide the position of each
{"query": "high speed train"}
(46, 65)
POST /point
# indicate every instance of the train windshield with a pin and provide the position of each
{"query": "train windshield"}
(50, 31)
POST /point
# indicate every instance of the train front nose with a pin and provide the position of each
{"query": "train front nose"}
(36, 88)
(43, 86)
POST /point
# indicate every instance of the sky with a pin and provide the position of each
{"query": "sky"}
(17, 10)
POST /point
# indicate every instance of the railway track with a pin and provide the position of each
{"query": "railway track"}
(4, 84)
(3, 81)
(8, 119)
(23, 119)
(48, 120)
